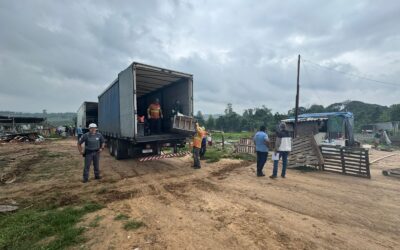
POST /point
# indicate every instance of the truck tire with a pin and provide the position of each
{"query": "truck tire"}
(110, 145)
(120, 149)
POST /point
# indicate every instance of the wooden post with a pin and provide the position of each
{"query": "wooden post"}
(223, 140)
(342, 159)
(367, 163)
(297, 99)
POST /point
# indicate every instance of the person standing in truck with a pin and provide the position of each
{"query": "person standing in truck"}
(94, 144)
(155, 115)
(197, 138)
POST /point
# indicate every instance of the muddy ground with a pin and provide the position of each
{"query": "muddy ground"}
(221, 206)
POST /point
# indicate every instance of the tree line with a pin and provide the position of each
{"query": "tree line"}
(252, 119)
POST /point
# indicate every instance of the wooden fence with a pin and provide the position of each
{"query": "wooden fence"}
(245, 145)
(346, 160)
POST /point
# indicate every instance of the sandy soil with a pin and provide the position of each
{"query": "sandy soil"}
(221, 206)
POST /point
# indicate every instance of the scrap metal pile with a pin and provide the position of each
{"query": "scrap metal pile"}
(21, 137)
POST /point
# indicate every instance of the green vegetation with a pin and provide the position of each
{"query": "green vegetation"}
(121, 217)
(43, 228)
(244, 157)
(252, 119)
(214, 154)
(133, 225)
(232, 136)
(95, 222)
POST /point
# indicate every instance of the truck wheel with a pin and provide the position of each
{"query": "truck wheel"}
(110, 145)
(120, 149)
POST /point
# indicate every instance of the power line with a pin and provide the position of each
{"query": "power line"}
(309, 80)
(350, 74)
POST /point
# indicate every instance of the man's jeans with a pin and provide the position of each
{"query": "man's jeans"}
(261, 160)
(89, 157)
(284, 157)
(196, 157)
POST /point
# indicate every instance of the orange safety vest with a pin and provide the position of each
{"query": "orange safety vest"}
(198, 137)
(155, 111)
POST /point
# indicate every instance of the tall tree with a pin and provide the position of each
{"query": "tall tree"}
(200, 118)
(210, 124)
(395, 112)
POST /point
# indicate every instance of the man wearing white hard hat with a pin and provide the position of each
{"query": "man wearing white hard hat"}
(94, 144)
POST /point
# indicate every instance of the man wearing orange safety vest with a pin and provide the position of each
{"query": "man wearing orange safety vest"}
(198, 137)
(155, 115)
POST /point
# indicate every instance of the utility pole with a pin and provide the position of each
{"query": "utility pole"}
(297, 98)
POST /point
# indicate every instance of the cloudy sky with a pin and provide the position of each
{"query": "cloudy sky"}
(56, 54)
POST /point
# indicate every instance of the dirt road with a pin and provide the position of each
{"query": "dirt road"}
(221, 206)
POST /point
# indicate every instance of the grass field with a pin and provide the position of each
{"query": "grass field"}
(40, 228)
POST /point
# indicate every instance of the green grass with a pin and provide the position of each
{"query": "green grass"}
(232, 136)
(244, 157)
(95, 222)
(43, 228)
(133, 225)
(121, 217)
(214, 154)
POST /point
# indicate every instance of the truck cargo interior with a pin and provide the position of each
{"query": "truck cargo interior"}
(168, 88)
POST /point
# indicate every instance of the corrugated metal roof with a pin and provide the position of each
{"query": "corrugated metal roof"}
(319, 116)
(310, 119)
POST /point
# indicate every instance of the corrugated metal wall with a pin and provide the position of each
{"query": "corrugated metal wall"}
(109, 122)
(127, 118)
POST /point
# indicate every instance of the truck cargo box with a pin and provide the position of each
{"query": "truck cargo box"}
(128, 97)
(87, 113)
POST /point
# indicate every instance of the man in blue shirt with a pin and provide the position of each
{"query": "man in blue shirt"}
(261, 141)
(79, 131)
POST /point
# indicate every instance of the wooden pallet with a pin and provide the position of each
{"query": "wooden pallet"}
(346, 160)
(305, 152)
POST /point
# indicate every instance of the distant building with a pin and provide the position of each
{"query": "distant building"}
(392, 127)
(332, 127)
(20, 123)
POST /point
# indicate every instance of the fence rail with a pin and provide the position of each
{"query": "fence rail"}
(346, 160)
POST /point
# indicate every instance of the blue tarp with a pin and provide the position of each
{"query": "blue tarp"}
(323, 115)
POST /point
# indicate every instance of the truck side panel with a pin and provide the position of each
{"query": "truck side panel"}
(80, 117)
(109, 105)
(126, 103)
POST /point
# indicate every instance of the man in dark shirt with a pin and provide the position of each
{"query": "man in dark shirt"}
(94, 144)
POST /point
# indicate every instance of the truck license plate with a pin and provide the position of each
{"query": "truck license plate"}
(145, 151)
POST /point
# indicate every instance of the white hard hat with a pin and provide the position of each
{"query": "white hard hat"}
(92, 125)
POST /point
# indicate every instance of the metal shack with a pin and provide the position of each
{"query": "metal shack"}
(128, 97)
(328, 128)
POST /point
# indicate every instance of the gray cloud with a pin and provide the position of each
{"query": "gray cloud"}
(56, 54)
